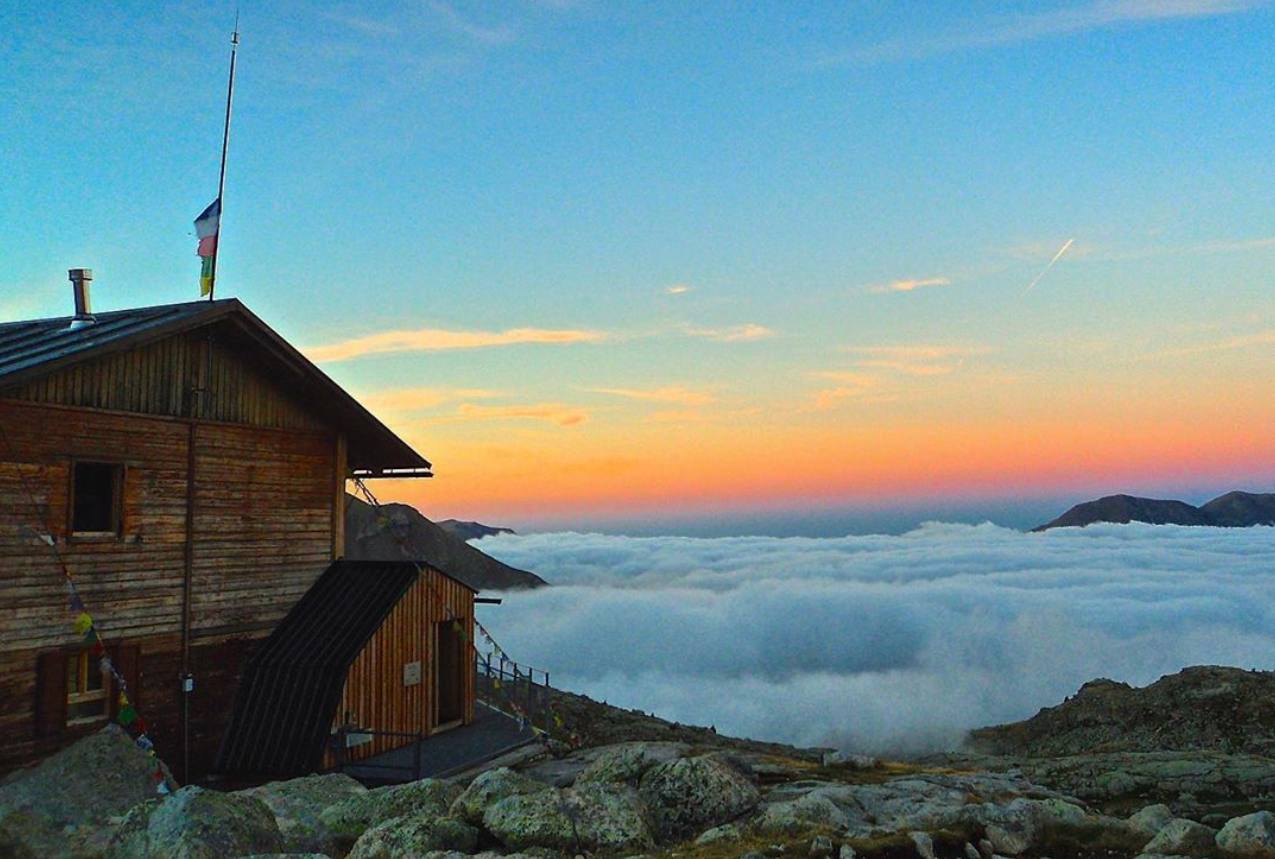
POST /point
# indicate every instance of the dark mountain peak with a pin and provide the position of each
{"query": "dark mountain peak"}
(1232, 510)
(1129, 508)
(471, 530)
(399, 532)
(1240, 509)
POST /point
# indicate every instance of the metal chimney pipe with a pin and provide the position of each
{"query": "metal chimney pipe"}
(80, 280)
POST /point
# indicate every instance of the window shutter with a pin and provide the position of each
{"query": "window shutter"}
(50, 691)
(128, 662)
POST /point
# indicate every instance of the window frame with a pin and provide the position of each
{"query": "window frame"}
(84, 665)
(120, 469)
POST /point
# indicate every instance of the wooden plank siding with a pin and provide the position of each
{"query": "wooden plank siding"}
(157, 379)
(375, 696)
(265, 526)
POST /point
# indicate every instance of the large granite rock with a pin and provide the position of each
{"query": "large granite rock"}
(489, 788)
(1252, 833)
(688, 795)
(625, 763)
(1151, 820)
(1192, 784)
(590, 818)
(59, 807)
(791, 816)
(195, 823)
(414, 835)
(297, 805)
(350, 818)
(1182, 837)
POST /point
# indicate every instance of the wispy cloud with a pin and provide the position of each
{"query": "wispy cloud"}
(458, 23)
(556, 413)
(850, 385)
(730, 334)
(438, 339)
(829, 398)
(407, 400)
(677, 289)
(909, 284)
(1230, 344)
(1068, 20)
(862, 380)
(909, 368)
(1211, 246)
(915, 352)
(668, 394)
(915, 359)
(364, 24)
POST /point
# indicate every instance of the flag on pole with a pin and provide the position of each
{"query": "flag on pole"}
(206, 227)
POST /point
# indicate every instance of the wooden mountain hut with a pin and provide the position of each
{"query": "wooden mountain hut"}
(188, 466)
(374, 657)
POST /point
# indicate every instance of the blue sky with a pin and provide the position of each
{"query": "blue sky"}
(563, 165)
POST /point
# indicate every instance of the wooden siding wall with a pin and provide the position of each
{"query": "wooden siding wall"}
(156, 379)
(263, 524)
(263, 531)
(374, 695)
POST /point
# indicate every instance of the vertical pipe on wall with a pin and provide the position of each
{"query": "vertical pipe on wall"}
(195, 408)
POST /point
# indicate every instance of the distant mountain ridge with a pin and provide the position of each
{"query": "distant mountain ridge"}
(407, 535)
(1232, 510)
(471, 530)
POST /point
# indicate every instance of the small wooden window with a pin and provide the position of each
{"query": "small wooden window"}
(97, 491)
(86, 689)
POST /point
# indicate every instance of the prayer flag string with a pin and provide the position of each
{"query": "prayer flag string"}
(85, 627)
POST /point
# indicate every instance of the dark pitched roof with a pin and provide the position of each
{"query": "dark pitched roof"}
(292, 685)
(36, 348)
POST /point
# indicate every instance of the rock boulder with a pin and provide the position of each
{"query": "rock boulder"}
(1182, 836)
(1252, 833)
(489, 788)
(195, 823)
(590, 818)
(297, 805)
(414, 835)
(688, 795)
(57, 807)
(351, 817)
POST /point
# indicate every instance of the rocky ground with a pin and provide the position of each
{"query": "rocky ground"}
(623, 783)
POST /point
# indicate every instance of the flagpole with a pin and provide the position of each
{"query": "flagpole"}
(225, 145)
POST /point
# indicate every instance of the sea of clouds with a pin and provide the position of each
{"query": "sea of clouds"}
(883, 643)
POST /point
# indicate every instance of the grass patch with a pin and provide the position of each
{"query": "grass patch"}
(795, 769)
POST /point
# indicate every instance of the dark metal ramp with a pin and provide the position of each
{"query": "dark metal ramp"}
(490, 734)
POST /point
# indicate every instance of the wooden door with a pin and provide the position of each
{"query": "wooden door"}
(448, 674)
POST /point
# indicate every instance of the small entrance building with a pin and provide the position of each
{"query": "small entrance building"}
(375, 656)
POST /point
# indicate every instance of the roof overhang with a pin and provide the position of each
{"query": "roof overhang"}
(29, 350)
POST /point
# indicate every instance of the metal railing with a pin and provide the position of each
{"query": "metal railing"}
(518, 690)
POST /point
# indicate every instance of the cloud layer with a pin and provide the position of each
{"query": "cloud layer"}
(883, 643)
(437, 339)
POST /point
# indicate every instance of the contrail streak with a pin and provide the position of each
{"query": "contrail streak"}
(1062, 250)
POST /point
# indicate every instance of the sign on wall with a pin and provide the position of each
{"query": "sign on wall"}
(412, 673)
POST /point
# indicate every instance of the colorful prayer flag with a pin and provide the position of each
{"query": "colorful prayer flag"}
(83, 623)
(207, 226)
